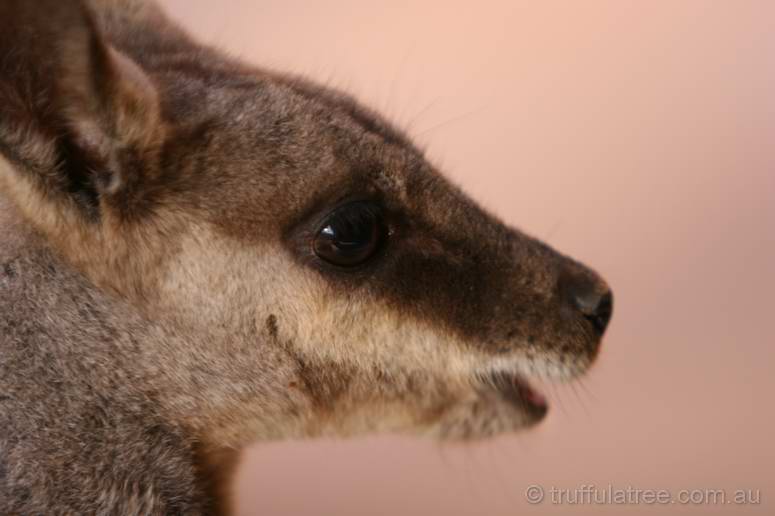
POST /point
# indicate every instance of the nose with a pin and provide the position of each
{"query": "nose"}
(593, 300)
(596, 308)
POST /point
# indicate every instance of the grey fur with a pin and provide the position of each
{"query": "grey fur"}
(160, 306)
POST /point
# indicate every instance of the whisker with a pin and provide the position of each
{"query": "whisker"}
(473, 489)
(578, 397)
(507, 490)
(556, 396)
(585, 388)
(448, 121)
(422, 111)
(397, 74)
(553, 229)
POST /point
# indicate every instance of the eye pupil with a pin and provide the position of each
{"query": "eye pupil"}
(350, 235)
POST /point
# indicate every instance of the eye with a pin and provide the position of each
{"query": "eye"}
(351, 234)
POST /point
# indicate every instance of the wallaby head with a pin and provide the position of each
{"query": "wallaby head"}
(301, 268)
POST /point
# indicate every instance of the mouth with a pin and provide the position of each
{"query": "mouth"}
(516, 390)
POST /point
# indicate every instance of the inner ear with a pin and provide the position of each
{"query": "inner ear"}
(77, 171)
(78, 119)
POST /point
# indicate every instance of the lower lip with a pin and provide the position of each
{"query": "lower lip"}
(516, 389)
(535, 398)
(530, 395)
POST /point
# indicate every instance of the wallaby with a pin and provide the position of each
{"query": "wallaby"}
(197, 254)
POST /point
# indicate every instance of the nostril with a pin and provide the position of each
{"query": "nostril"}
(596, 308)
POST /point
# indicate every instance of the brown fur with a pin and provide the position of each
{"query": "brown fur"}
(161, 307)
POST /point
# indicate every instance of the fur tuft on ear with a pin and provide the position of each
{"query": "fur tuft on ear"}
(79, 121)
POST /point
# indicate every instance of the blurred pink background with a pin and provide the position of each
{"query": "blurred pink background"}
(638, 137)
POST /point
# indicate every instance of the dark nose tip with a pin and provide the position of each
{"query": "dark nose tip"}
(595, 305)
(589, 296)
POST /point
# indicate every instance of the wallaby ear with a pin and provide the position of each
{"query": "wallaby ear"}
(79, 121)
